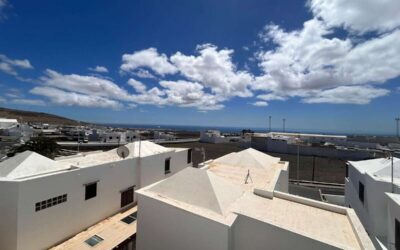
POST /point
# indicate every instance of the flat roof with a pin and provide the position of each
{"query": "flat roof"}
(379, 169)
(312, 221)
(327, 223)
(136, 149)
(112, 230)
(299, 134)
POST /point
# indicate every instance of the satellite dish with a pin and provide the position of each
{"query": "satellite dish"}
(123, 152)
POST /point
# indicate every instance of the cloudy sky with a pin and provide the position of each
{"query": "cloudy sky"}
(323, 65)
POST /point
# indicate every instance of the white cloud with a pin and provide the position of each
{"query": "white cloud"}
(2, 100)
(142, 73)
(28, 102)
(89, 85)
(347, 95)
(190, 94)
(309, 61)
(10, 66)
(214, 69)
(137, 85)
(148, 58)
(99, 69)
(358, 15)
(260, 104)
(61, 97)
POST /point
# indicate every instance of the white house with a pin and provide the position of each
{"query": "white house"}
(366, 184)
(43, 202)
(119, 137)
(393, 238)
(213, 136)
(240, 202)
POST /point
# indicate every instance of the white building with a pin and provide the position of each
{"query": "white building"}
(366, 184)
(214, 136)
(119, 137)
(44, 202)
(240, 202)
(393, 239)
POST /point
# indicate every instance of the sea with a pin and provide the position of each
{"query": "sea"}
(225, 129)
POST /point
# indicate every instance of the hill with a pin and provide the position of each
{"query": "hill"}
(30, 116)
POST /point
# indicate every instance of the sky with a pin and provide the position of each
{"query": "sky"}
(322, 65)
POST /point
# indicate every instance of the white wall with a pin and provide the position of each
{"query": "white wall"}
(42, 229)
(250, 234)
(45, 228)
(162, 226)
(8, 215)
(393, 213)
(152, 169)
(373, 212)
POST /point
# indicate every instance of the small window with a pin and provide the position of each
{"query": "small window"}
(130, 218)
(167, 166)
(347, 170)
(91, 191)
(361, 192)
(94, 240)
(189, 156)
(127, 197)
(110, 137)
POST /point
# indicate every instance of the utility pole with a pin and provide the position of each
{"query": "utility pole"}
(79, 134)
(284, 120)
(270, 117)
(298, 160)
(397, 126)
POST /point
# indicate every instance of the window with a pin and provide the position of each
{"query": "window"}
(347, 170)
(110, 137)
(90, 190)
(397, 234)
(50, 202)
(94, 240)
(167, 166)
(127, 196)
(361, 192)
(130, 218)
(189, 156)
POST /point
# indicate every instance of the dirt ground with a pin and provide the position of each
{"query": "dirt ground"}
(311, 168)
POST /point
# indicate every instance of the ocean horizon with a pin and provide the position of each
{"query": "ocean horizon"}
(238, 129)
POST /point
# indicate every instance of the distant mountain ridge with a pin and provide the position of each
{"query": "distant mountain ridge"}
(31, 116)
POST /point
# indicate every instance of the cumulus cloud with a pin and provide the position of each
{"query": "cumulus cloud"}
(214, 69)
(149, 58)
(260, 104)
(65, 98)
(10, 66)
(347, 95)
(89, 85)
(99, 69)
(142, 73)
(313, 62)
(358, 15)
(137, 85)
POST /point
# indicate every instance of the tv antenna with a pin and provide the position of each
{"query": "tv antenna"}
(123, 152)
(248, 177)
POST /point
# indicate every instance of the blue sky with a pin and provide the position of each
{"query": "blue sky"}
(213, 63)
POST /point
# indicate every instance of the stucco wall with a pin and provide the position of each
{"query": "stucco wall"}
(52, 225)
(8, 215)
(45, 228)
(393, 214)
(162, 226)
(250, 234)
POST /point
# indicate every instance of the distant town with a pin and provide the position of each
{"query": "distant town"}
(236, 174)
